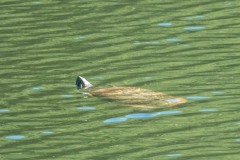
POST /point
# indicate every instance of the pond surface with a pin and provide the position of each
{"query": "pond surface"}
(188, 49)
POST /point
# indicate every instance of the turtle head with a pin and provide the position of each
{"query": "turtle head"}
(82, 83)
(79, 82)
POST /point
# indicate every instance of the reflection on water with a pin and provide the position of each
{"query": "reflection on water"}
(173, 40)
(80, 37)
(200, 16)
(36, 3)
(165, 24)
(196, 17)
(67, 96)
(4, 110)
(208, 110)
(169, 112)
(147, 43)
(218, 93)
(148, 78)
(114, 120)
(174, 155)
(38, 88)
(141, 115)
(194, 28)
(197, 97)
(47, 132)
(182, 48)
(15, 137)
(86, 108)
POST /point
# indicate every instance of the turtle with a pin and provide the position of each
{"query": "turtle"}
(130, 96)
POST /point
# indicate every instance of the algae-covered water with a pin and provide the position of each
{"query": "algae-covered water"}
(188, 49)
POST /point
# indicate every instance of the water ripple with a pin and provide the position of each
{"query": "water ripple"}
(194, 28)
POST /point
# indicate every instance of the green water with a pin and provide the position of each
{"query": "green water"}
(187, 49)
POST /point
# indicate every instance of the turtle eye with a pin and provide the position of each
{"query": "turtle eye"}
(79, 83)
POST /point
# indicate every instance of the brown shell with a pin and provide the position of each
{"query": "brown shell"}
(137, 97)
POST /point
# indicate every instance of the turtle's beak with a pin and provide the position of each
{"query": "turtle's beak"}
(82, 83)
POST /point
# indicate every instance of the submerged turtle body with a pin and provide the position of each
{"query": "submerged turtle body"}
(132, 96)
(137, 97)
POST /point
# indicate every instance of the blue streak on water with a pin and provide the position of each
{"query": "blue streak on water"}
(36, 3)
(165, 24)
(141, 115)
(67, 96)
(197, 97)
(151, 42)
(115, 120)
(200, 16)
(218, 92)
(194, 28)
(174, 155)
(228, 3)
(147, 43)
(86, 108)
(4, 110)
(15, 137)
(196, 17)
(186, 45)
(97, 77)
(208, 110)
(237, 140)
(148, 115)
(173, 40)
(80, 37)
(189, 18)
(169, 112)
(148, 78)
(47, 132)
(137, 43)
(39, 88)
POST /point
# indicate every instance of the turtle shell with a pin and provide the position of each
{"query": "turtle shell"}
(137, 97)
